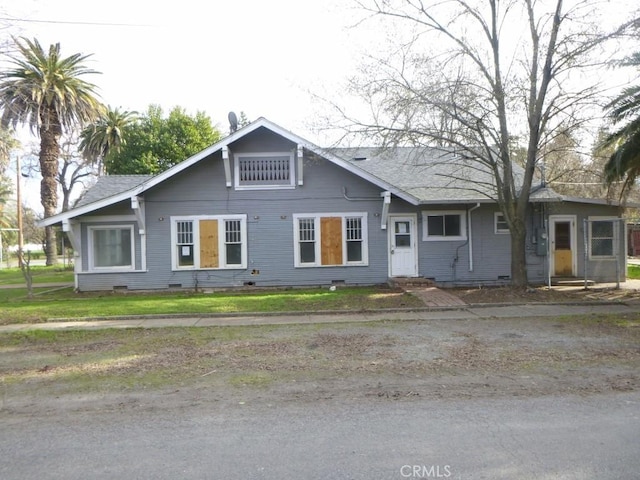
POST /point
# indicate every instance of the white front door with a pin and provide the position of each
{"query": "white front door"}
(403, 258)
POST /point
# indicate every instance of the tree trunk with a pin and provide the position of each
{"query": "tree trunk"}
(50, 133)
(519, 256)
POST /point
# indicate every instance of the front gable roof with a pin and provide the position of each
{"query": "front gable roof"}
(113, 189)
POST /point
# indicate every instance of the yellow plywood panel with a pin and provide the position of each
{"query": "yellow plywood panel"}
(563, 262)
(331, 241)
(209, 256)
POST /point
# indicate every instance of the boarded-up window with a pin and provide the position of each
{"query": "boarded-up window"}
(209, 242)
(331, 241)
(209, 257)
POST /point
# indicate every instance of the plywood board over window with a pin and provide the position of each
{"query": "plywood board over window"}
(331, 241)
(209, 256)
(209, 242)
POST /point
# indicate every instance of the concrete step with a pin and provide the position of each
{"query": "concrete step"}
(570, 281)
(402, 282)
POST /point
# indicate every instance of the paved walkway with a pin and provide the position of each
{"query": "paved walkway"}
(435, 297)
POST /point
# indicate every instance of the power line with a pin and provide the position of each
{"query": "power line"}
(26, 20)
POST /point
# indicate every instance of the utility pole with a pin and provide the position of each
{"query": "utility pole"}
(19, 201)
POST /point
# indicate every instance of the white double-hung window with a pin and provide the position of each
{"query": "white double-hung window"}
(209, 242)
(329, 239)
(111, 248)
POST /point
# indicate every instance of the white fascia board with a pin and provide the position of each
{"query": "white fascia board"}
(76, 212)
(598, 201)
(459, 202)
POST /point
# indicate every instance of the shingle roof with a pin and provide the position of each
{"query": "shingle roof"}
(110, 185)
(430, 175)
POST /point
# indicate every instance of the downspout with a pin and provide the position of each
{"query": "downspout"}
(477, 205)
(385, 209)
(71, 228)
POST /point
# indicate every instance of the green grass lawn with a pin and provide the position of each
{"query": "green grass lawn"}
(49, 304)
(633, 272)
(54, 303)
(57, 274)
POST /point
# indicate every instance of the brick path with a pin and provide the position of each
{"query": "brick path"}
(434, 296)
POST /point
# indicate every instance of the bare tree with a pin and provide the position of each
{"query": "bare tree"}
(475, 74)
(74, 170)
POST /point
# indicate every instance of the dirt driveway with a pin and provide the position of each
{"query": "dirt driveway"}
(163, 368)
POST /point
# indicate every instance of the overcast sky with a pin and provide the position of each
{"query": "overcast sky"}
(260, 57)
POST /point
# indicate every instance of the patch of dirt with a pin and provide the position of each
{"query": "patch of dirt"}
(543, 295)
(164, 368)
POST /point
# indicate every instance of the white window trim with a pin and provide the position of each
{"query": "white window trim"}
(222, 252)
(433, 238)
(318, 236)
(236, 171)
(95, 269)
(615, 239)
(496, 230)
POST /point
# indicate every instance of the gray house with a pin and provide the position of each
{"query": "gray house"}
(265, 207)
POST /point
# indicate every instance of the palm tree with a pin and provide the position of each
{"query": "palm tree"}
(105, 135)
(46, 92)
(7, 143)
(624, 163)
(5, 194)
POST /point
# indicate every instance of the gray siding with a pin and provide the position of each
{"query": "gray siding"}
(448, 262)
(201, 190)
